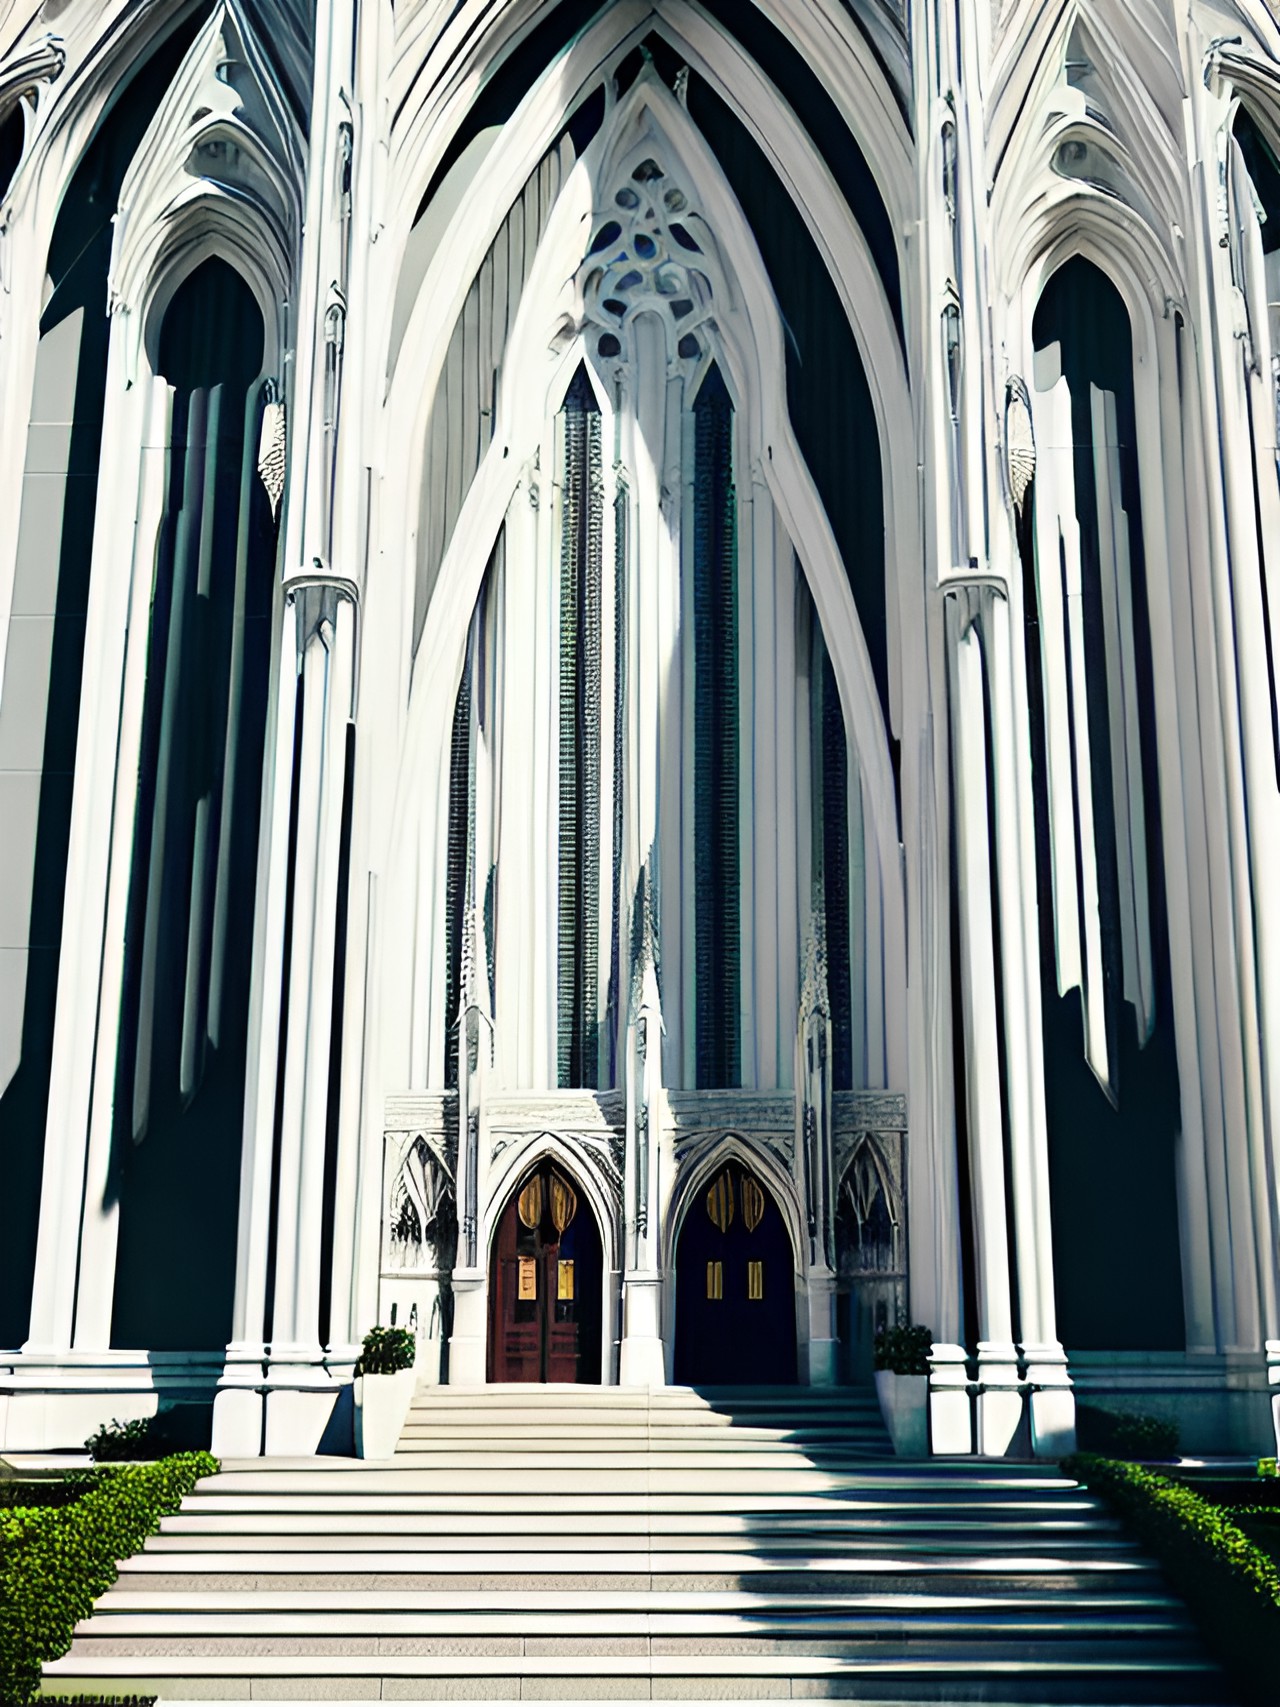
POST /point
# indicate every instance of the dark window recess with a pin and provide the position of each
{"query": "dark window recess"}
(827, 393)
(833, 747)
(581, 544)
(1118, 1278)
(512, 81)
(79, 254)
(188, 934)
(717, 927)
(12, 134)
(802, 88)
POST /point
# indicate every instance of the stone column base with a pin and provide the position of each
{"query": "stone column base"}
(239, 1409)
(642, 1357)
(950, 1411)
(1051, 1401)
(469, 1341)
(1001, 1406)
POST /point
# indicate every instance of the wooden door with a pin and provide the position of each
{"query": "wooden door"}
(545, 1284)
(735, 1287)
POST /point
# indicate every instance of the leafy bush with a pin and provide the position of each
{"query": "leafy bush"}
(60, 1490)
(55, 1563)
(116, 1442)
(904, 1350)
(1230, 1584)
(387, 1350)
(1125, 1434)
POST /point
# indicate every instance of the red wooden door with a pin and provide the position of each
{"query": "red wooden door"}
(544, 1284)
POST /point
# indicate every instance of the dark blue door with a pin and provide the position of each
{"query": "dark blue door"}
(735, 1287)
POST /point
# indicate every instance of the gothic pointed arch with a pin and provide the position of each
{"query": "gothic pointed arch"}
(547, 133)
(677, 293)
(220, 170)
(1111, 1063)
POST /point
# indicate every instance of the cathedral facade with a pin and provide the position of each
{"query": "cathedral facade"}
(639, 723)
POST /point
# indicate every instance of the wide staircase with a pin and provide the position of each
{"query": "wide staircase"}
(603, 1543)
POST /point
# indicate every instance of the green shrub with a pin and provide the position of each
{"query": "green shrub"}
(116, 1442)
(904, 1350)
(1125, 1434)
(386, 1351)
(55, 1563)
(1230, 1584)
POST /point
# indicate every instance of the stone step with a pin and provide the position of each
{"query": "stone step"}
(551, 1437)
(1177, 1678)
(335, 1475)
(872, 1692)
(119, 1601)
(890, 1575)
(367, 1496)
(814, 1526)
(568, 1544)
(957, 1537)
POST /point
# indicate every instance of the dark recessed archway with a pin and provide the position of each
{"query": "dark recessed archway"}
(735, 1286)
(546, 1274)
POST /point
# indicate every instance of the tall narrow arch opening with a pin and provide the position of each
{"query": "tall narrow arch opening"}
(40, 707)
(1111, 1072)
(179, 1106)
(648, 704)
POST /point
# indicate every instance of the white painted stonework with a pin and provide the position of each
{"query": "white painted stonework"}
(770, 519)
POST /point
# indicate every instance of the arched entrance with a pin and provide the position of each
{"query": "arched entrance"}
(735, 1287)
(545, 1276)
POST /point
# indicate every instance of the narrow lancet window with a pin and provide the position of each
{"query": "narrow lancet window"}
(716, 738)
(461, 819)
(180, 1093)
(581, 539)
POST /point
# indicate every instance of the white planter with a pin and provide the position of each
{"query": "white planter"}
(382, 1405)
(904, 1404)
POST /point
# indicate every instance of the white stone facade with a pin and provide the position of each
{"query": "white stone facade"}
(643, 585)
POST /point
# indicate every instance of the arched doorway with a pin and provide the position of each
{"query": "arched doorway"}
(735, 1287)
(545, 1278)
(871, 1289)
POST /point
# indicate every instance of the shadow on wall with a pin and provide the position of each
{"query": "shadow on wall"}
(179, 1107)
(40, 710)
(1117, 1266)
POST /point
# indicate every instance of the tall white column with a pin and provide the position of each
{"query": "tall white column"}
(643, 1354)
(238, 1405)
(1050, 1402)
(999, 1400)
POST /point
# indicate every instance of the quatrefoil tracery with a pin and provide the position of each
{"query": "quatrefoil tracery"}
(644, 259)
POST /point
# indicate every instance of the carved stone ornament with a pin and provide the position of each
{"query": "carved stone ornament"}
(1019, 442)
(870, 1111)
(649, 253)
(26, 73)
(272, 448)
(419, 1228)
(222, 158)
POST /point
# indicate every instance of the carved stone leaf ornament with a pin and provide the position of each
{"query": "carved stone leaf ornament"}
(1019, 442)
(272, 450)
(419, 1199)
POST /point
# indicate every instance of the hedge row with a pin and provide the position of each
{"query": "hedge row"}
(54, 1563)
(1230, 1584)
